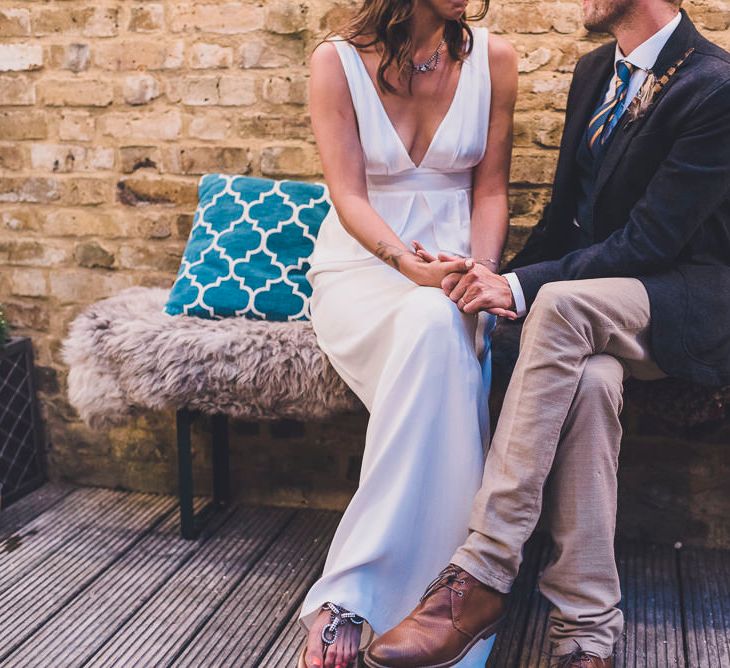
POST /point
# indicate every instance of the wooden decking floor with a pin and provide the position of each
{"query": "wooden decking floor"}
(93, 577)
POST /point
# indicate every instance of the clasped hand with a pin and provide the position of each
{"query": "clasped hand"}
(473, 287)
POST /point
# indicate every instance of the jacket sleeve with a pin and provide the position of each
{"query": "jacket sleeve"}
(690, 184)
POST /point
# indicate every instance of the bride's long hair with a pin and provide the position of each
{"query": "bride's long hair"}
(384, 24)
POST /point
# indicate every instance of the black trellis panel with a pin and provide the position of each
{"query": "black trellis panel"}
(21, 450)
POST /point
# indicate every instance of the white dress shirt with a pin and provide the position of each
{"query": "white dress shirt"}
(643, 58)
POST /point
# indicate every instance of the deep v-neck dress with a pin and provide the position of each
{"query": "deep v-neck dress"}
(409, 354)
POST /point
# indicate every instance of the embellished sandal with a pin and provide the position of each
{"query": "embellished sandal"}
(338, 617)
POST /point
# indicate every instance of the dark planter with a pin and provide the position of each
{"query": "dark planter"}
(21, 443)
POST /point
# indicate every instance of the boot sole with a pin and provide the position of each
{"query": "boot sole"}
(486, 633)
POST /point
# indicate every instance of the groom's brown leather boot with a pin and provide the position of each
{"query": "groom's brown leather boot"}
(455, 613)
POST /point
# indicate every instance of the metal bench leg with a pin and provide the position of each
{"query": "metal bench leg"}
(185, 473)
(221, 460)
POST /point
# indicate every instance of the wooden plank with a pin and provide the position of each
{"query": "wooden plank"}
(174, 615)
(76, 514)
(651, 605)
(534, 650)
(523, 598)
(27, 604)
(288, 645)
(87, 622)
(23, 511)
(242, 629)
(705, 578)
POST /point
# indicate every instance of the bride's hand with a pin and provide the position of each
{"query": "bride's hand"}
(425, 269)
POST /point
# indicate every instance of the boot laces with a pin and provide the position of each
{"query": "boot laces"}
(446, 578)
(578, 658)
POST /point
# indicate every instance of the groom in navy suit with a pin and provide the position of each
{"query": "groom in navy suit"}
(627, 274)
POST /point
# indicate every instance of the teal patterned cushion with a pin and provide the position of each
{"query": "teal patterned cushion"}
(249, 249)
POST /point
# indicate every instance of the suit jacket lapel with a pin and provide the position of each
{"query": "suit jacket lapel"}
(576, 122)
(673, 50)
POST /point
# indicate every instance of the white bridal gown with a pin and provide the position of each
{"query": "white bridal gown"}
(409, 354)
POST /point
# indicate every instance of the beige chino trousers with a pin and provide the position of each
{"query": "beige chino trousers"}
(560, 420)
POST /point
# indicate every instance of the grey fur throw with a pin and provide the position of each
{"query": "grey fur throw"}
(124, 354)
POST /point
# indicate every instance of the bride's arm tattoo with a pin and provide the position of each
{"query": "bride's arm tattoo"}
(389, 253)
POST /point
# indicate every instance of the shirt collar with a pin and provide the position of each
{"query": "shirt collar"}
(645, 55)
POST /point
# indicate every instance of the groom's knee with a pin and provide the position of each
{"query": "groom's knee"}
(602, 382)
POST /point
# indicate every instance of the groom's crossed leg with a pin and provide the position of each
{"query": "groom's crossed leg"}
(560, 414)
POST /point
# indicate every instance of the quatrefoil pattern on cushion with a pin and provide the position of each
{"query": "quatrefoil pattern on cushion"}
(249, 248)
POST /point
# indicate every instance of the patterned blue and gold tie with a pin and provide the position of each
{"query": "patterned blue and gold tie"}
(606, 117)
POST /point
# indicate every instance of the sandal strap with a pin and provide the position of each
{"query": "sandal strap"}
(338, 617)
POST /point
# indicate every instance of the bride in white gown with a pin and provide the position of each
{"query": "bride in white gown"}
(412, 113)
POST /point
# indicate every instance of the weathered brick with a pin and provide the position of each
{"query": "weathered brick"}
(14, 22)
(534, 60)
(290, 161)
(140, 89)
(76, 126)
(28, 315)
(87, 191)
(228, 18)
(20, 219)
(285, 90)
(65, 222)
(198, 91)
(203, 159)
(76, 93)
(211, 125)
(565, 17)
(135, 126)
(533, 168)
(76, 57)
(133, 158)
(29, 189)
(32, 253)
(237, 91)
(270, 51)
(518, 18)
(144, 257)
(286, 17)
(147, 18)
(136, 191)
(49, 19)
(23, 125)
(137, 54)
(17, 90)
(12, 157)
(28, 282)
(204, 56)
(19, 57)
(548, 129)
(291, 126)
(72, 286)
(91, 254)
(64, 159)
(103, 22)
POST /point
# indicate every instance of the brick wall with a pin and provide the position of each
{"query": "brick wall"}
(110, 110)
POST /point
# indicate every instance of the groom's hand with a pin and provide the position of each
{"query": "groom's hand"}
(481, 290)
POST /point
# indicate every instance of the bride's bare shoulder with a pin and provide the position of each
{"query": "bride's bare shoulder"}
(501, 53)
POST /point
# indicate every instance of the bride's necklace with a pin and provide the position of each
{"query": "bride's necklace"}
(432, 63)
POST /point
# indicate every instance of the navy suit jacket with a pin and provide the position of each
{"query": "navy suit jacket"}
(661, 205)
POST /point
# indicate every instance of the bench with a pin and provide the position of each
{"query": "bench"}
(126, 355)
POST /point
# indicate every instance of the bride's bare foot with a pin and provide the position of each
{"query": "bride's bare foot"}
(340, 654)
